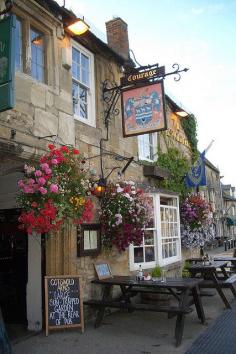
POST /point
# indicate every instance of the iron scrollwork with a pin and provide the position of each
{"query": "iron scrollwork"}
(176, 72)
(110, 95)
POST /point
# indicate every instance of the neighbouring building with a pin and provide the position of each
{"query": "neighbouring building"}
(229, 211)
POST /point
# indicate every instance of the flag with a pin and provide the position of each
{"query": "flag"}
(196, 176)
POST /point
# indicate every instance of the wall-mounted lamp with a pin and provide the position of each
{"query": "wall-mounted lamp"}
(100, 187)
(78, 26)
(182, 114)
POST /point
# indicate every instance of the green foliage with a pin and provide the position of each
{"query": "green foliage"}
(190, 128)
(156, 272)
(174, 162)
(185, 271)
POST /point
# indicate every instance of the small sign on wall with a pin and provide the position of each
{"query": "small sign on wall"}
(7, 62)
(103, 270)
(143, 109)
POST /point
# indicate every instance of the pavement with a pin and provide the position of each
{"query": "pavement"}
(135, 333)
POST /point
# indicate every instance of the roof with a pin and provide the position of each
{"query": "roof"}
(209, 164)
(68, 15)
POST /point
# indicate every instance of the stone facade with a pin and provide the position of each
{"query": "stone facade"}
(43, 113)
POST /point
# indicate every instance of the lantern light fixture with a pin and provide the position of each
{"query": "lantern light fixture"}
(182, 114)
(78, 26)
(100, 187)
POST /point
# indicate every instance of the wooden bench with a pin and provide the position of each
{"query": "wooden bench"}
(142, 307)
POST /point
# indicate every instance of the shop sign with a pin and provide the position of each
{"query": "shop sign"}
(7, 62)
(136, 76)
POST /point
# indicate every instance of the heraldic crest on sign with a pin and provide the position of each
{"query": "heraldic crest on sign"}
(143, 110)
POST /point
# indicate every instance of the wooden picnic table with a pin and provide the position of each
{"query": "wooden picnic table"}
(212, 279)
(180, 288)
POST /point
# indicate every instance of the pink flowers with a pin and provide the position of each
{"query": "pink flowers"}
(124, 215)
(41, 181)
(54, 188)
(46, 190)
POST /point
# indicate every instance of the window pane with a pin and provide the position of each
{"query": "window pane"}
(149, 254)
(83, 102)
(85, 77)
(148, 237)
(18, 49)
(138, 255)
(75, 90)
(37, 55)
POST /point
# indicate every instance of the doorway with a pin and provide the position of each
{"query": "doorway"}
(13, 268)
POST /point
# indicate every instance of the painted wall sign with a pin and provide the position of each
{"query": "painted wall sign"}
(175, 131)
(63, 302)
(143, 110)
(7, 62)
(138, 76)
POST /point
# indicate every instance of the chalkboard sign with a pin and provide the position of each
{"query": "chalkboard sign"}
(63, 304)
(103, 270)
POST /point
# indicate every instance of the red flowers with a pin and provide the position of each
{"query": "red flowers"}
(47, 191)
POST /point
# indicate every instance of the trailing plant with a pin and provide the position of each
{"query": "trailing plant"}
(125, 211)
(190, 128)
(175, 162)
(54, 190)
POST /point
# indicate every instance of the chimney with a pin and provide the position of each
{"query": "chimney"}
(117, 36)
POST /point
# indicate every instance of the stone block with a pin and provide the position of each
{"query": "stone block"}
(24, 108)
(63, 102)
(49, 99)
(45, 123)
(23, 85)
(66, 129)
(38, 95)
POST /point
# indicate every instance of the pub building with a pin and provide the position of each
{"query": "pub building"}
(60, 101)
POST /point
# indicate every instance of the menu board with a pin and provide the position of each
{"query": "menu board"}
(63, 302)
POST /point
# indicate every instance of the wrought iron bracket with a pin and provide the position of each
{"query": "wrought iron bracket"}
(176, 72)
(110, 95)
(111, 92)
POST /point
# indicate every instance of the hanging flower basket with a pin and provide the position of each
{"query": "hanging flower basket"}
(53, 191)
(196, 212)
(125, 211)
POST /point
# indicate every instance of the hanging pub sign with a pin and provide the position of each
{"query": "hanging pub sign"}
(143, 109)
(144, 73)
(7, 62)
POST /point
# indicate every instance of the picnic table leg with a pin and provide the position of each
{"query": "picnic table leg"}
(179, 324)
(220, 291)
(198, 304)
(101, 311)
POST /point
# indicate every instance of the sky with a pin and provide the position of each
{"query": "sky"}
(197, 34)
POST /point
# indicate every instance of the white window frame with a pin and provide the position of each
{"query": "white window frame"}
(159, 260)
(91, 89)
(154, 147)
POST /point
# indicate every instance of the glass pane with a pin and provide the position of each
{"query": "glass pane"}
(37, 54)
(85, 62)
(148, 237)
(83, 102)
(75, 55)
(85, 77)
(165, 250)
(18, 49)
(151, 223)
(149, 254)
(75, 89)
(138, 255)
(175, 248)
(93, 239)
